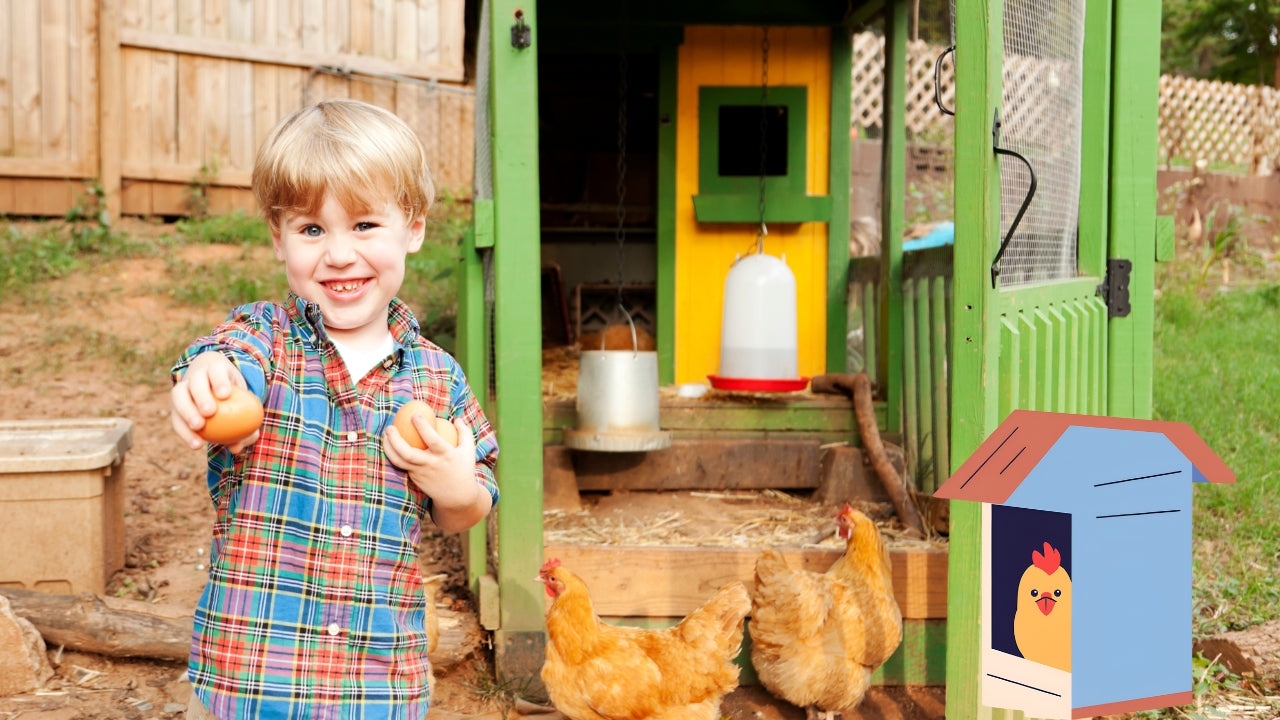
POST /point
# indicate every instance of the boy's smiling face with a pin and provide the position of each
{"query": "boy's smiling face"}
(350, 264)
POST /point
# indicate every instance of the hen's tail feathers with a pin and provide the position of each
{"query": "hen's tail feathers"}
(771, 566)
(723, 613)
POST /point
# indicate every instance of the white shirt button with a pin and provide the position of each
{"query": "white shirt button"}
(334, 629)
(353, 436)
(345, 530)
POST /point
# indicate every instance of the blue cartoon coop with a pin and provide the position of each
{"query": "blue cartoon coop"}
(1086, 561)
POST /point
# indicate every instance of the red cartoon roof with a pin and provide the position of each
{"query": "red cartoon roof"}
(1004, 459)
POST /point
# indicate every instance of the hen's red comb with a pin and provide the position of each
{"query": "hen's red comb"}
(1049, 561)
(550, 565)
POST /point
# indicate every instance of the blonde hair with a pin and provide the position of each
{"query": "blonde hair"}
(361, 153)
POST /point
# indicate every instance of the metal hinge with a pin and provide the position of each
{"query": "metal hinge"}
(1115, 287)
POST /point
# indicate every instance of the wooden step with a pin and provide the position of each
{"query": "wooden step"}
(671, 581)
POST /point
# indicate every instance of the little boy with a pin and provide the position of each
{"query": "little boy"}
(314, 606)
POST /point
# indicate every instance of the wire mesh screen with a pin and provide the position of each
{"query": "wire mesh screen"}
(1043, 58)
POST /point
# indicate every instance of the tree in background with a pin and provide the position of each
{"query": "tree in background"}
(1230, 40)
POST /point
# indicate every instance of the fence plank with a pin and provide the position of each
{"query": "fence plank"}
(6, 86)
(190, 137)
(449, 25)
(110, 105)
(919, 289)
(406, 31)
(941, 384)
(279, 55)
(1011, 346)
(28, 120)
(911, 390)
(55, 88)
(1028, 372)
(136, 111)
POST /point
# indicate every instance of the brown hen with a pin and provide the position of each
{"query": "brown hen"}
(596, 671)
(816, 638)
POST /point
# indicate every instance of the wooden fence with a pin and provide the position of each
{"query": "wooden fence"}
(152, 98)
(1200, 121)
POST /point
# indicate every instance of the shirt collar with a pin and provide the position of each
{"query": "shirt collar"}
(400, 321)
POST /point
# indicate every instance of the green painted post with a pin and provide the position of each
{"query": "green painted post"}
(1134, 105)
(838, 189)
(918, 364)
(975, 406)
(911, 416)
(941, 391)
(520, 640)
(474, 361)
(893, 190)
(668, 60)
(1095, 124)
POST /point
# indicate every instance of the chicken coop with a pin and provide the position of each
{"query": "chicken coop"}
(631, 157)
(1062, 497)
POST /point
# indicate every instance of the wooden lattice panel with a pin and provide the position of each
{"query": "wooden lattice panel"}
(1200, 120)
(1217, 122)
(922, 114)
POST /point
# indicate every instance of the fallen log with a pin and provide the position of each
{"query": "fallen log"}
(130, 628)
(84, 622)
(1254, 650)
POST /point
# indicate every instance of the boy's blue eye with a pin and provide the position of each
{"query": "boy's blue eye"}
(365, 226)
(312, 231)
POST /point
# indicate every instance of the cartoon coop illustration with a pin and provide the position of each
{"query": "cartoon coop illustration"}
(1086, 561)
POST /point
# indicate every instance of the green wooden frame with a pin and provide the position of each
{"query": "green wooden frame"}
(838, 187)
(893, 169)
(1135, 89)
(974, 408)
(668, 80)
(517, 342)
(736, 198)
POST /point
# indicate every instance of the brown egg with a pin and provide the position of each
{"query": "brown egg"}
(235, 419)
(447, 431)
(404, 424)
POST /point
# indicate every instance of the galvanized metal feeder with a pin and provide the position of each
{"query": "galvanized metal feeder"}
(618, 401)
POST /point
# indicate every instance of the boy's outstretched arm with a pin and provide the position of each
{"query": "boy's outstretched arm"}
(447, 474)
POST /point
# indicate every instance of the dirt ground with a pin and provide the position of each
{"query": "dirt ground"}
(98, 343)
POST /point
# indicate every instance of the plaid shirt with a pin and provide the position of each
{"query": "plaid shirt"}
(314, 606)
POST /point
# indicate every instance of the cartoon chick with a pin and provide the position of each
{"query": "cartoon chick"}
(1042, 622)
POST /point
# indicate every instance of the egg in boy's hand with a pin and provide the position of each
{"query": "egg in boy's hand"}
(403, 423)
(238, 416)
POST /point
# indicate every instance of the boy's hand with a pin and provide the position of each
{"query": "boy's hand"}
(209, 378)
(444, 472)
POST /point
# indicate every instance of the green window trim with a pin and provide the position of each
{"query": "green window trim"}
(736, 198)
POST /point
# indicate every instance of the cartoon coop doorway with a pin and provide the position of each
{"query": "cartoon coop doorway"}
(1026, 609)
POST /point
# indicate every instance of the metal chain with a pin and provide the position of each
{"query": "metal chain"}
(764, 130)
(621, 232)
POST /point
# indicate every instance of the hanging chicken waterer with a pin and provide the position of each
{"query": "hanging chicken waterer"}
(758, 337)
(618, 401)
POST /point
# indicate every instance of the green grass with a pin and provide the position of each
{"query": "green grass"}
(430, 284)
(35, 252)
(1217, 368)
(237, 228)
(252, 276)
